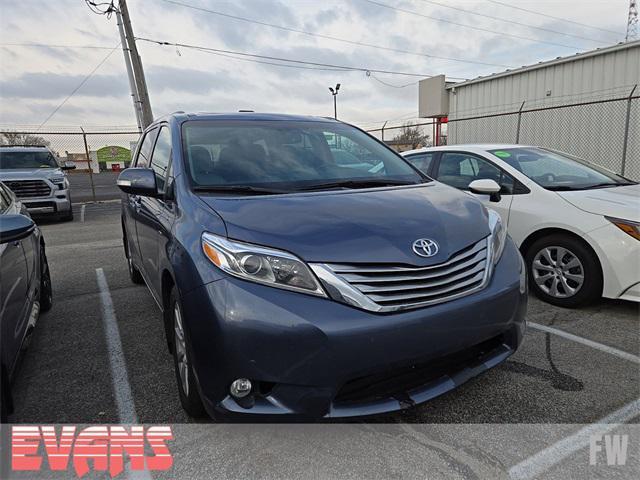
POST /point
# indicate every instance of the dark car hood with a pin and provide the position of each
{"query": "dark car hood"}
(374, 225)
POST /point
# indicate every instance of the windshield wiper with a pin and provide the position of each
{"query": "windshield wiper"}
(246, 189)
(604, 185)
(561, 188)
(376, 182)
(565, 188)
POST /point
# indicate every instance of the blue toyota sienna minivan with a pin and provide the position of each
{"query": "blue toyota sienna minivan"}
(304, 269)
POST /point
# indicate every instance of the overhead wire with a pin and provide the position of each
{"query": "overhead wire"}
(282, 59)
(510, 21)
(47, 45)
(330, 37)
(78, 87)
(473, 27)
(551, 16)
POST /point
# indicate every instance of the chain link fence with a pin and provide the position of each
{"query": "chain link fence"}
(605, 132)
(93, 151)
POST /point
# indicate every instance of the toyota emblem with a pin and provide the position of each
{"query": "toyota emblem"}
(425, 247)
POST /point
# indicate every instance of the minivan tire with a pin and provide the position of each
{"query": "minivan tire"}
(183, 365)
(572, 248)
(134, 273)
(46, 291)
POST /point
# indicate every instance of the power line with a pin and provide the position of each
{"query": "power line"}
(391, 84)
(551, 16)
(47, 45)
(281, 59)
(481, 29)
(55, 110)
(329, 37)
(512, 22)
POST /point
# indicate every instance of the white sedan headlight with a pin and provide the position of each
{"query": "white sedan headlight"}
(260, 264)
(498, 235)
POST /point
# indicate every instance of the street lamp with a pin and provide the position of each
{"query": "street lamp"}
(335, 94)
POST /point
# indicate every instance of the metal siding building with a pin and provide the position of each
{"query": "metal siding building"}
(597, 74)
(595, 131)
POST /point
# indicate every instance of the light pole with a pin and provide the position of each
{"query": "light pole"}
(335, 105)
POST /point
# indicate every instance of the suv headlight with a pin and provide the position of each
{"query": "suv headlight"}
(498, 236)
(60, 182)
(260, 264)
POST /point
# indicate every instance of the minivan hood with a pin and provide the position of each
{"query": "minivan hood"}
(373, 225)
(29, 173)
(620, 202)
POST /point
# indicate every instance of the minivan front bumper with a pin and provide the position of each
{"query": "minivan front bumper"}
(308, 356)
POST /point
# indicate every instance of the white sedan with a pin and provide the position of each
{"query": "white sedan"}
(577, 224)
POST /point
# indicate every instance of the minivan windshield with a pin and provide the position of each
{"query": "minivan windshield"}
(556, 171)
(257, 157)
(26, 159)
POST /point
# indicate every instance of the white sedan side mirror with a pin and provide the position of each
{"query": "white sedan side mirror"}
(486, 186)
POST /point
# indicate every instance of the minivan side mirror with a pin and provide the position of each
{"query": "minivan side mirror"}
(138, 181)
(486, 186)
(15, 227)
(68, 166)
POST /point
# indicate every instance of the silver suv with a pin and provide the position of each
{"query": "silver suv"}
(37, 178)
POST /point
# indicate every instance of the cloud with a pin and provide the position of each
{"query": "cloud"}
(35, 80)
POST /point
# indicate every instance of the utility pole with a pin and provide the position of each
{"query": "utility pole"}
(136, 63)
(137, 107)
(632, 22)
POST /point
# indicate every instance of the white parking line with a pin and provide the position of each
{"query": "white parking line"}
(589, 343)
(119, 376)
(82, 209)
(542, 461)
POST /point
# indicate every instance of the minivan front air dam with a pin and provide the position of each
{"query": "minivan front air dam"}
(387, 288)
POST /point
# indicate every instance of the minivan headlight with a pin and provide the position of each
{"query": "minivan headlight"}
(260, 264)
(498, 235)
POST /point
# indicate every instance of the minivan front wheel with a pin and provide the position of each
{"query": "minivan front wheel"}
(187, 387)
(563, 271)
(134, 273)
(46, 291)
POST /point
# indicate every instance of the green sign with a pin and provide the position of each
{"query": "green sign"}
(113, 154)
(501, 154)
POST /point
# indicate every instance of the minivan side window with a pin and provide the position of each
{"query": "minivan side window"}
(460, 169)
(422, 161)
(145, 149)
(161, 158)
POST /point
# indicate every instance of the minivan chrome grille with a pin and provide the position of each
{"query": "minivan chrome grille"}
(394, 287)
(29, 188)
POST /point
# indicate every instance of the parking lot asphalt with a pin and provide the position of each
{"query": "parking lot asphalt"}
(104, 184)
(65, 376)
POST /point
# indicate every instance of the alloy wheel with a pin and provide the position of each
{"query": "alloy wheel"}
(557, 271)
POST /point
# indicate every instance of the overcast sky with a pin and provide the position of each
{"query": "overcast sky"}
(35, 81)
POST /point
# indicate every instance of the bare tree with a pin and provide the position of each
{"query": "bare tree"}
(16, 138)
(412, 135)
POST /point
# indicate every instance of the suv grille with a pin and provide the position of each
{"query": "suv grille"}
(29, 188)
(398, 287)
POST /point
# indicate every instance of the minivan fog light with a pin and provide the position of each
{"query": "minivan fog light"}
(240, 388)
